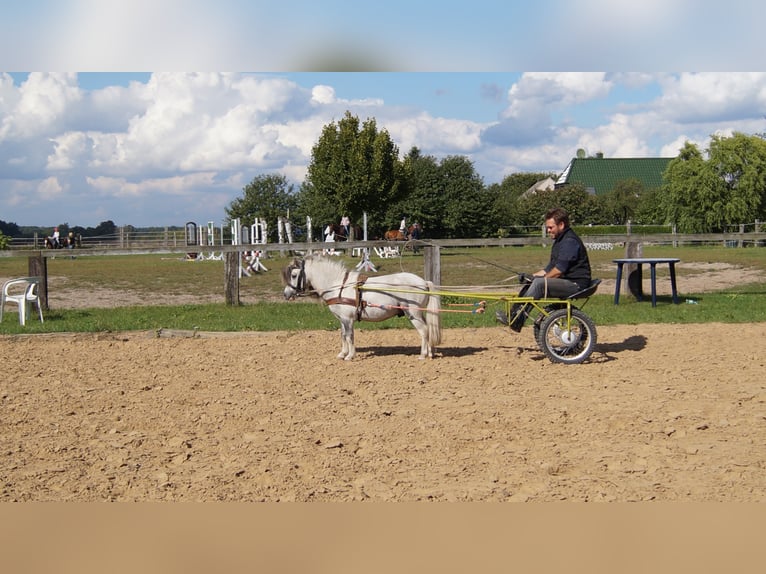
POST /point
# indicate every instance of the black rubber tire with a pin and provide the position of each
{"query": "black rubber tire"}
(569, 347)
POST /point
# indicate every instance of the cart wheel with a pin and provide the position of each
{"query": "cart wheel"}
(540, 319)
(567, 345)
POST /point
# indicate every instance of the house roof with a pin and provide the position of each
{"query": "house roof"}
(542, 185)
(600, 175)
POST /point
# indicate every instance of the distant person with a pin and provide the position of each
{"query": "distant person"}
(567, 272)
(345, 224)
(403, 227)
(55, 238)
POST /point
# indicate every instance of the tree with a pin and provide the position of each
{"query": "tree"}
(421, 193)
(583, 208)
(507, 210)
(620, 203)
(651, 207)
(739, 162)
(704, 196)
(352, 170)
(104, 228)
(466, 204)
(10, 229)
(265, 197)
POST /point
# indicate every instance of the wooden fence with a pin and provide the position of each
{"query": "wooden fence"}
(231, 254)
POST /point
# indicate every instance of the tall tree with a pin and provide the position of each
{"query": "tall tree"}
(467, 206)
(421, 197)
(353, 169)
(582, 207)
(265, 197)
(729, 187)
(508, 199)
(740, 162)
(693, 192)
(621, 202)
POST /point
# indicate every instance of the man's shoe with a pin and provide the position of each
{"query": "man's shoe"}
(519, 317)
(501, 317)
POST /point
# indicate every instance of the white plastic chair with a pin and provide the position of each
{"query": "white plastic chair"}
(24, 292)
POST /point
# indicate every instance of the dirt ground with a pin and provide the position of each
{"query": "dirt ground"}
(659, 412)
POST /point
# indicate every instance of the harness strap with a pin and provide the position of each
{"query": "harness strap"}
(357, 302)
(360, 303)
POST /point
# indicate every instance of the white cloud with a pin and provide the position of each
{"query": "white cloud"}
(435, 136)
(50, 189)
(560, 88)
(702, 97)
(69, 148)
(40, 104)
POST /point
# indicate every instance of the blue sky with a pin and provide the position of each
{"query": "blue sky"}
(151, 148)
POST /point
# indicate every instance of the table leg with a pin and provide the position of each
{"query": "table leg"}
(673, 281)
(617, 286)
(654, 284)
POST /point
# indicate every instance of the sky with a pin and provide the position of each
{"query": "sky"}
(163, 148)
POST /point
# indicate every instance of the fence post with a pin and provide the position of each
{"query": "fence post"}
(231, 277)
(432, 266)
(38, 267)
(740, 242)
(631, 279)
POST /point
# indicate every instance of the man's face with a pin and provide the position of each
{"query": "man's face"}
(554, 229)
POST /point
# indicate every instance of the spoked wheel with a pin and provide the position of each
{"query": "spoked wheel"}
(537, 326)
(567, 341)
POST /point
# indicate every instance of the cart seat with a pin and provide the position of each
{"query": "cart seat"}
(588, 291)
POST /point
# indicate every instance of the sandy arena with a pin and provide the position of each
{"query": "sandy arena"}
(660, 412)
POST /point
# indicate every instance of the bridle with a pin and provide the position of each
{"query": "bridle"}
(300, 287)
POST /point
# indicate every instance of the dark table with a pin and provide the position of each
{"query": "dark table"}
(653, 262)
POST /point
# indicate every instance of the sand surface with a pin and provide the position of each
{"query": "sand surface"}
(659, 412)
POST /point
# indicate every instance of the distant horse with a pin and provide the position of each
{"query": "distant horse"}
(352, 296)
(69, 242)
(50, 243)
(354, 233)
(394, 235)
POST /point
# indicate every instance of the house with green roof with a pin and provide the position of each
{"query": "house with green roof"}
(599, 175)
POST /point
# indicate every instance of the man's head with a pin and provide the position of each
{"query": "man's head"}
(556, 222)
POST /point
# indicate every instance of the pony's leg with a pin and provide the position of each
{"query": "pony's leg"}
(347, 334)
(426, 350)
(348, 349)
(343, 343)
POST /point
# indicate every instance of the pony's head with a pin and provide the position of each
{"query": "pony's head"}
(294, 279)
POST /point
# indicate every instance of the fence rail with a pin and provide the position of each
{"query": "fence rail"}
(174, 240)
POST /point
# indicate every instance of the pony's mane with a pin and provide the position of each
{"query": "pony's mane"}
(325, 261)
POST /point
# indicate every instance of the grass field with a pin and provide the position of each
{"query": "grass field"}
(170, 276)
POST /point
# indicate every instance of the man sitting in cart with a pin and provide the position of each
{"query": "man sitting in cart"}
(567, 272)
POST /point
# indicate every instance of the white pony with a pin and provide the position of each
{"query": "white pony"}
(353, 296)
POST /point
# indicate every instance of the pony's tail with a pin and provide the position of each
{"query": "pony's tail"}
(434, 316)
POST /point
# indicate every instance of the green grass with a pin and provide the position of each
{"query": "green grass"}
(487, 267)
